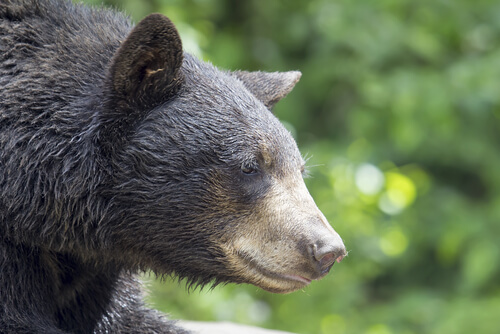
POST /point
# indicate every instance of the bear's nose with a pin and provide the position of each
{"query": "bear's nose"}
(326, 250)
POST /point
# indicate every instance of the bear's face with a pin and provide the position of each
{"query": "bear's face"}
(206, 178)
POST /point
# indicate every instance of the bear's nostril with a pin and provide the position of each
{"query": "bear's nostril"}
(325, 249)
(327, 255)
(327, 260)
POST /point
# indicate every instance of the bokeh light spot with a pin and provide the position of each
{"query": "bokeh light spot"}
(333, 323)
(401, 192)
(379, 329)
(369, 179)
(394, 242)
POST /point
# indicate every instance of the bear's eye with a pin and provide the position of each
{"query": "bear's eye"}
(249, 168)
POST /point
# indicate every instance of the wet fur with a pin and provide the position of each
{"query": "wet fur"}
(85, 205)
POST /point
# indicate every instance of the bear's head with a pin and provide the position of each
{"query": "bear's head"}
(206, 183)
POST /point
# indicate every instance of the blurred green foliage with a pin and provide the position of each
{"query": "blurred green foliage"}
(399, 110)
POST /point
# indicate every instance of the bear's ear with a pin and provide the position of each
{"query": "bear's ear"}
(145, 71)
(269, 87)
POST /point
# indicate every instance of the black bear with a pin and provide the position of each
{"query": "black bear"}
(120, 153)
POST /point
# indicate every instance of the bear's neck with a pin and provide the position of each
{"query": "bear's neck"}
(63, 287)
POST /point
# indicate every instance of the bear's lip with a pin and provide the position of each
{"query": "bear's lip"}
(298, 278)
(297, 281)
(290, 277)
(286, 283)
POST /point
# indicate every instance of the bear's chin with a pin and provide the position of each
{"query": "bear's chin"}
(284, 284)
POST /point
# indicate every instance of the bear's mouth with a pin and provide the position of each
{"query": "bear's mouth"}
(270, 280)
(297, 278)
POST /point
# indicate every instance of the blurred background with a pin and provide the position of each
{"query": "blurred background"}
(398, 109)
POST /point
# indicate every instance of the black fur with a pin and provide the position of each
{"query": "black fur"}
(117, 153)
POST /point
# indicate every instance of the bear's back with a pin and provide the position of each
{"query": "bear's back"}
(51, 53)
(53, 60)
